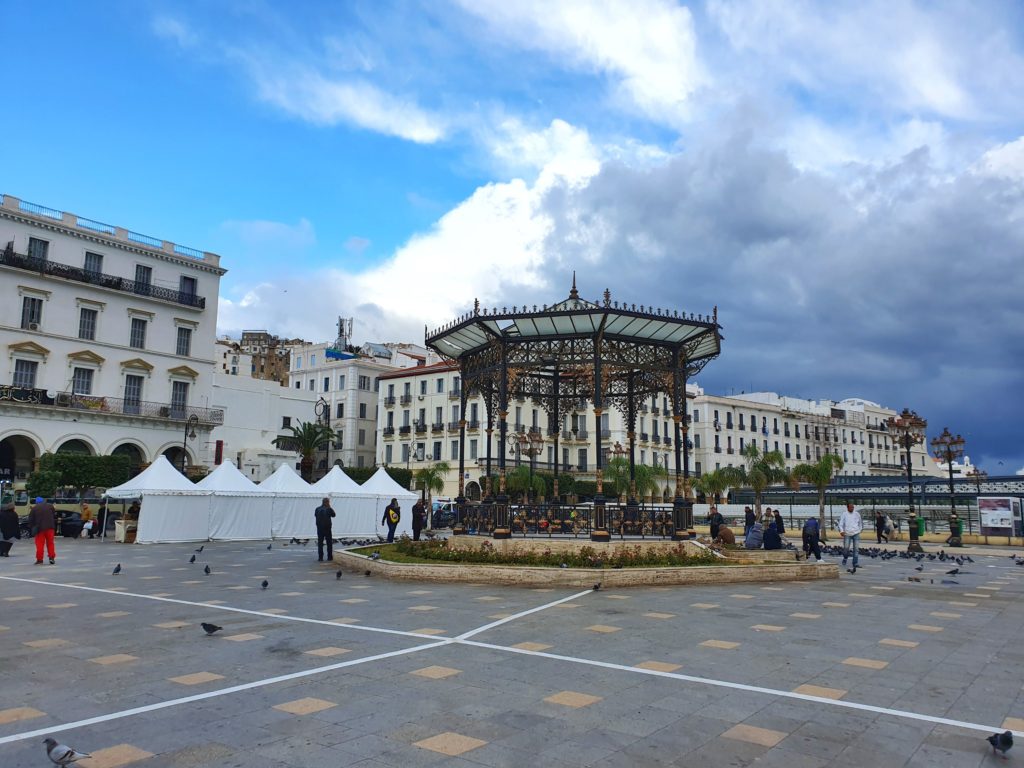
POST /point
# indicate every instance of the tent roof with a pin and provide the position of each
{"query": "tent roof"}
(382, 484)
(285, 480)
(227, 479)
(337, 483)
(158, 477)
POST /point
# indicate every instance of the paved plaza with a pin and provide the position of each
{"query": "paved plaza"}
(869, 670)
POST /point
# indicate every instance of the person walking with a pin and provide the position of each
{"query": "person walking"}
(850, 527)
(323, 515)
(880, 532)
(418, 519)
(715, 520)
(10, 528)
(748, 520)
(42, 520)
(811, 539)
(392, 514)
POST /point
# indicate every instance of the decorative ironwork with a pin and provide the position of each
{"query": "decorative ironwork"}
(113, 406)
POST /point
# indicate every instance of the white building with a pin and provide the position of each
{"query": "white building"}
(108, 339)
(232, 360)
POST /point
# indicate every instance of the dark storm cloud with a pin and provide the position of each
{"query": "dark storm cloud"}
(901, 285)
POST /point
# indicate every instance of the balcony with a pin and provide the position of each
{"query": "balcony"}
(406, 399)
(55, 269)
(404, 430)
(421, 427)
(454, 426)
(718, 449)
(473, 424)
(581, 467)
(438, 426)
(644, 437)
(454, 394)
(885, 465)
(389, 401)
(113, 406)
(880, 427)
(730, 451)
(642, 409)
(667, 440)
(582, 434)
(389, 431)
(655, 411)
(606, 434)
(534, 430)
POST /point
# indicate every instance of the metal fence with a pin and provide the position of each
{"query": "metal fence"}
(567, 520)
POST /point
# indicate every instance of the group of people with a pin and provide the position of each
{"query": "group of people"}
(43, 522)
(392, 516)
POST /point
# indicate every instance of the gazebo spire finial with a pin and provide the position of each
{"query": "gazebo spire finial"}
(573, 293)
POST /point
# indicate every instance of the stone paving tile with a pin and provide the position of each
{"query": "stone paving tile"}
(196, 678)
(573, 699)
(450, 743)
(818, 690)
(762, 736)
(17, 714)
(113, 757)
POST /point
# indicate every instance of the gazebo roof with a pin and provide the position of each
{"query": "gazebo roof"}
(578, 318)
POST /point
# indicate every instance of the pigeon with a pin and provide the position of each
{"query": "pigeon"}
(950, 581)
(914, 578)
(375, 556)
(200, 550)
(366, 573)
(192, 559)
(1001, 742)
(206, 570)
(305, 542)
(293, 540)
(210, 628)
(597, 586)
(269, 547)
(953, 572)
(337, 575)
(60, 754)
(264, 584)
(117, 570)
(563, 565)
(919, 568)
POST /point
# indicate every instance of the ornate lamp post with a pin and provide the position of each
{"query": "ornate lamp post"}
(908, 429)
(949, 448)
(978, 476)
(528, 444)
(190, 434)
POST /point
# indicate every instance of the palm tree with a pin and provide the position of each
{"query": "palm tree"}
(519, 480)
(761, 471)
(305, 439)
(647, 478)
(713, 484)
(616, 475)
(431, 479)
(819, 475)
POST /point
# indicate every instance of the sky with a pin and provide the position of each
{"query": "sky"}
(843, 180)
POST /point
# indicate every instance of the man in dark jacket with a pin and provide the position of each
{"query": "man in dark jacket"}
(715, 521)
(748, 520)
(392, 514)
(43, 520)
(10, 528)
(323, 515)
(418, 519)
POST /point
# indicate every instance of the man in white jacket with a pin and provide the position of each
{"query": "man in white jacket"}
(850, 526)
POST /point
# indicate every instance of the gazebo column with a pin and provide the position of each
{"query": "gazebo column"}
(682, 507)
(460, 500)
(557, 424)
(632, 503)
(502, 529)
(599, 525)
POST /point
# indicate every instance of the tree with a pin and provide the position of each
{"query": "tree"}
(761, 470)
(647, 478)
(431, 479)
(713, 484)
(520, 481)
(820, 475)
(616, 477)
(305, 439)
(43, 483)
(82, 471)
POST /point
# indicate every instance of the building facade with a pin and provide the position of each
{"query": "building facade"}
(269, 355)
(107, 337)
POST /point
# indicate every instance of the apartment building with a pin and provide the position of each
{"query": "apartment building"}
(269, 355)
(109, 339)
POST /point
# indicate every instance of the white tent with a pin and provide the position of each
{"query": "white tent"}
(173, 509)
(240, 510)
(285, 480)
(357, 510)
(384, 487)
(335, 482)
(294, 502)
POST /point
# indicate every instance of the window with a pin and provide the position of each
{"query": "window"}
(137, 338)
(455, 450)
(474, 412)
(582, 455)
(472, 450)
(439, 414)
(388, 453)
(405, 418)
(339, 411)
(407, 391)
(184, 346)
(391, 419)
(132, 393)
(187, 287)
(312, 361)
(25, 373)
(435, 453)
(391, 390)
(362, 437)
(696, 415)
(456, 384)
(143, 279)
(696, 441)
(298, 385)
(696, 467)
(87, 323)
(364, 383)
(38, 249)
(179, 396)
(362, 410)
(81, 381)
(286, 421)
(423, 387)
(312, 385)
(327, 383)
(741, 445)
(31, 313)
(440, 386)
(341, 381)
(406, 454)
(298, 363)
(93, 263)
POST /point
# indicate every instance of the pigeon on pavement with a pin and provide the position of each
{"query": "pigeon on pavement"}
(60, 754)
(366, 573)
(1001, 742)
(206, 570)
(200, 548)
(264, 584)
(192, 559)
(597, 586)
(269, 547)
(953, 572)
(117, 569)
(210, 628)
(337, 575)
(919, 568)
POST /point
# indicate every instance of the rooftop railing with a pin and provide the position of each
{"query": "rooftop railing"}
(110, 405)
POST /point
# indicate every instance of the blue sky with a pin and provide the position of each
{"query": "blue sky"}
(845, 180)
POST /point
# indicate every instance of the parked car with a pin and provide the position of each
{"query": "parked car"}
(443, 513)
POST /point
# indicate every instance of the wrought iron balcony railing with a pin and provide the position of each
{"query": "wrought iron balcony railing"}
(406, 399)
(404, 430)
(114, 406)
(389, 400)
(421, 426)
(454, 394)
(55, 269)
(389, 431)
(437, 426)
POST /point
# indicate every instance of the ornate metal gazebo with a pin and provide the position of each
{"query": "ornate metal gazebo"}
(613, 354)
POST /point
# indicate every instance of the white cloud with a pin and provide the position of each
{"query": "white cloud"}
(272, 235)
(1006, 160)
(175, 30)
(648, 46)
(311, 96)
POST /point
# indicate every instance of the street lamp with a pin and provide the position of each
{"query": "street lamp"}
(908, 429)
(977, 475)
(619, 451)
(190, 434)
(322, 409)
(530, 444)
(948, 448)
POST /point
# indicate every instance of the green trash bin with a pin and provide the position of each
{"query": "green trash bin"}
(920, 526)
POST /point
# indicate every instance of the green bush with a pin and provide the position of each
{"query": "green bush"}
(619, 556)
(400, 475)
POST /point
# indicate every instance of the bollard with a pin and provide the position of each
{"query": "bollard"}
(915, 527)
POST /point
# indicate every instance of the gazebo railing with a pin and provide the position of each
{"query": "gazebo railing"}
(569, 520)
